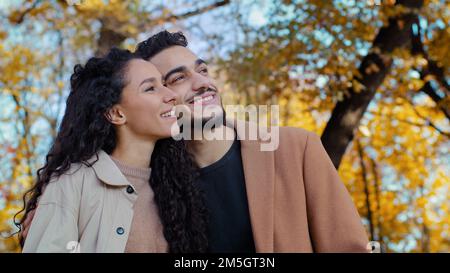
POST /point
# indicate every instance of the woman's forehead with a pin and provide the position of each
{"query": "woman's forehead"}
(139, 68)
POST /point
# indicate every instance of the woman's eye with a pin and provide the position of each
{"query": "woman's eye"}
(149, 89)
(204, 70)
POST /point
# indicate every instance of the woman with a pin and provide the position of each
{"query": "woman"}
(112, 182)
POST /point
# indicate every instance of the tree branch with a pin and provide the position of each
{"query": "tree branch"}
(25, 12)
(110, 36)
(428, 89)
(366, 189)
(197, 12)
(414, 123)
(432, 68)
(428, 122)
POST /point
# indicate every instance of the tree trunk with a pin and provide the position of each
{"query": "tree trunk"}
(347, 113)
(108, 38)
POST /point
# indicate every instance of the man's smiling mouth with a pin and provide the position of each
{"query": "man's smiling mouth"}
(205, 97)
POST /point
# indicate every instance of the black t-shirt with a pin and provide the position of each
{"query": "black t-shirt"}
(226, 198)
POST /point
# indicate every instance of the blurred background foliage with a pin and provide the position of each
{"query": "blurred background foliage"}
(370, 77)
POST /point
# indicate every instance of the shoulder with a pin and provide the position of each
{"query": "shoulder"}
(295, 132)
(75, 175)
(293, 137)
(68, 186)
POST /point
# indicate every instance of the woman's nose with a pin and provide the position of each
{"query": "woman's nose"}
(169, 96)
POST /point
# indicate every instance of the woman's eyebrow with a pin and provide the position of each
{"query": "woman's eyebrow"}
(152, 79)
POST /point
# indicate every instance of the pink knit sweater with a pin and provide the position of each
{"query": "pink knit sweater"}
(146, 234)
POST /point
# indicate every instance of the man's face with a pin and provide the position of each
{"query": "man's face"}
(188, 76)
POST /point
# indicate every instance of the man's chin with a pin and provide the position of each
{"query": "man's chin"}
(210, 117)
(212, 120)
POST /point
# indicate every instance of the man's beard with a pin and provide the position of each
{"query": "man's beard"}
(215, 119)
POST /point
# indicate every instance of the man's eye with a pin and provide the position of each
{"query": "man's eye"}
(179, 78)
(149, 89)
(204, 70)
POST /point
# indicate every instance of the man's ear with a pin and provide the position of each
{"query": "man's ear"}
(115, 115)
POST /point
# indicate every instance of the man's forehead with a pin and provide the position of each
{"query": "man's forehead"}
(173, 55)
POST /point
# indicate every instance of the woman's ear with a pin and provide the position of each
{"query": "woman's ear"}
(116, 116)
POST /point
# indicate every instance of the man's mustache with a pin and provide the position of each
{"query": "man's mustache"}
(201, 92)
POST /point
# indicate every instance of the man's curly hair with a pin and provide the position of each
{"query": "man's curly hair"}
(158, 42)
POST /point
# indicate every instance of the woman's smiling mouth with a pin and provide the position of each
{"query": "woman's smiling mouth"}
(169, 114)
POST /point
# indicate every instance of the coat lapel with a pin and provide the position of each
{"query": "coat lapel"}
(107, 171)
(259, 180)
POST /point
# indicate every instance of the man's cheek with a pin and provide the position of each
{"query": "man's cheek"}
(178, 100)
(180, 94)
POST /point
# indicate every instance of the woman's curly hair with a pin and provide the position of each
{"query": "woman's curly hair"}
(85, 130)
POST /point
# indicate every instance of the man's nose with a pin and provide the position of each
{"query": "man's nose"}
(200, 82)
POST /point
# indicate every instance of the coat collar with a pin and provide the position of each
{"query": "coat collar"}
(106, 170)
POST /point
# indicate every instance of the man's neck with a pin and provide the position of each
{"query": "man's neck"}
(207, 152)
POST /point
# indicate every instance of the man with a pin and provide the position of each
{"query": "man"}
(286, 200)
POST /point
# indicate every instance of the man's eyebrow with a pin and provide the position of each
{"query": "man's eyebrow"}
(152, 79)
(199, 62)
(175, 70)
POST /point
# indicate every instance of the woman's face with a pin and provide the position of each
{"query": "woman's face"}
(146, 106)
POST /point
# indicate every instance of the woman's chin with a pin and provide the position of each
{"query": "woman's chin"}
(172, 129)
